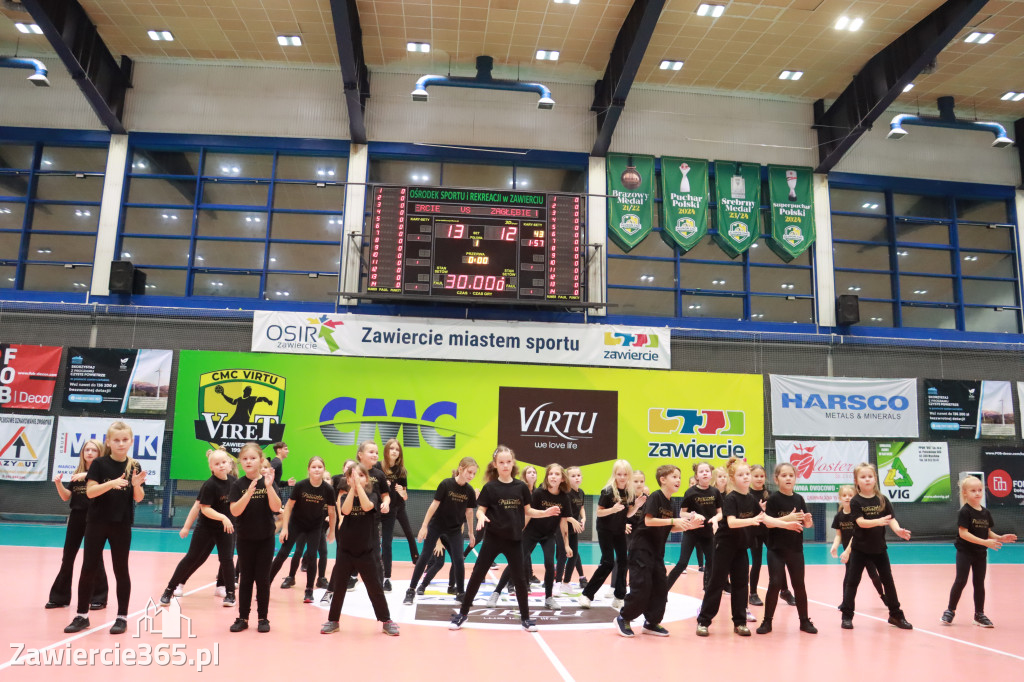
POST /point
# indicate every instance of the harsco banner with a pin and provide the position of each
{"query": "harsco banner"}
(437, 339)
(827, 406)
(443, 411)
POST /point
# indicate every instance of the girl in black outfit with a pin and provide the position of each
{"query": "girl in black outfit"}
(214, 529)
(254, 501)
(577, 501)
(616, 504)
(60, 592)
(114, 485)
(393, 466)
(503, 506)
(843, 524)
(706, 500)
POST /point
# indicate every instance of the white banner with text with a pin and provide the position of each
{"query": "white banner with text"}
(829, 406)
(822, 466)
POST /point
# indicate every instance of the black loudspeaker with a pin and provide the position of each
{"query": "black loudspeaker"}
(139, 282)
(847, 309)
(122, 277)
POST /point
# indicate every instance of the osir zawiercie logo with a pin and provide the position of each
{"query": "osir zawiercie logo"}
(240, 405)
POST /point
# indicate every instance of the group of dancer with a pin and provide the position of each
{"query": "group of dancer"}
(510, 516)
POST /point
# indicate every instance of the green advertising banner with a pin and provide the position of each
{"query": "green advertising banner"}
(631, 198)
(684, 205)
(738, 186)
(443, 411)
(792, 198)
(914, 472)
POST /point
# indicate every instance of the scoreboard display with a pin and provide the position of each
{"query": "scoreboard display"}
(502, 246)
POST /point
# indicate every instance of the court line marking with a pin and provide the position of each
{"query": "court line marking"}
(79, 635)
(562, 671)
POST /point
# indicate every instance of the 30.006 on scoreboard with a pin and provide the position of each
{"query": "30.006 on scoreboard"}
(476, 244)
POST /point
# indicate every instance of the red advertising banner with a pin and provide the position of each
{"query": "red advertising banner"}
(27, 376)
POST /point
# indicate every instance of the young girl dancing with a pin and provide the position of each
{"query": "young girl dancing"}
(705, 500)
(843, 524)
(616, 504)
(577, 503)
(393, 466)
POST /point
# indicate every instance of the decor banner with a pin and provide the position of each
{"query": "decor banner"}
(914, 472)
(631, 200)
(27, 376)
(738, 186)
(822, 466)
(1004, 476)
(858, 408)
(792, 197)
(24, 447)
(684, 205)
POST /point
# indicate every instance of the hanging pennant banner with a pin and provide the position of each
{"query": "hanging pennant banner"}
(792, 199)
(684, 206)
(738, 186)
(631, 200)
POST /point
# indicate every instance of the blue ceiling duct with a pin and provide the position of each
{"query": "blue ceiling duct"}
(483, 80)
(947, 119)
(38, 78)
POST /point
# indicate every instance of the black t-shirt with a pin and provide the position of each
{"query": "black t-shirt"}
(844, 523)
(506, 508)
(278, 466)
(547, 526)
(759, 531)
(309, 504)
(869, 540)
(117, 505)
(613, 523)
(381, 487)
(399, 477)
(215, 493)
(577, 498)
(978, 523)
(742, 507)
(256, 522)
(703, 501)
(357, 534)
(78, 501)
(637, 519)
(453, 500)
(652, 538)
(780, 505)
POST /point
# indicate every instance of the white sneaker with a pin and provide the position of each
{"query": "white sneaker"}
(583, 601)
(558, 590)
(179, 590)
(220, 592)
(550, 603)
(617, 604)
(492, 601)
(751, 618)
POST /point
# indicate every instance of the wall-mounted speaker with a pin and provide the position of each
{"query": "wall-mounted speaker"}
(847, 309)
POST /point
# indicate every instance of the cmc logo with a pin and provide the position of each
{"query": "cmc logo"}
(702, 422)
(838, 401)
(1000, 483)
(342, 422)
(631, 340)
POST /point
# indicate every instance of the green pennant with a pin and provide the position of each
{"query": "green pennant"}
(631, 200)
(684, 201)
(792, 199)
(738, 186)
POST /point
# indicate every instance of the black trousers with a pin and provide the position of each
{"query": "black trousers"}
(491, 547)
(297, 534)
(452, 542)
(613, 553)
(119, 536)
(367, 566)
(690, 542)
(254, 560)
(564, 566)
(203, 541)
(387, 524)
(547, 546)
(730, 566)
(872, 575)
(434, 565)
(779, 561)
(60, 591)
(855, 569)
(648, 588)
(975, 563)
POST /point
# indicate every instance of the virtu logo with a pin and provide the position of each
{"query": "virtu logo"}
(544, 425)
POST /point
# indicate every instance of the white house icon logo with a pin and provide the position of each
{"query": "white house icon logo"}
(168, 622)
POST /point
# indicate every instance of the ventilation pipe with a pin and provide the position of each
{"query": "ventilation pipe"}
(483, 80)
(38, 78)
(947, 119)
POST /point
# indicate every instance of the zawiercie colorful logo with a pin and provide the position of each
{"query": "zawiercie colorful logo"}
(237, 406)
(696, 422)
(630, 340)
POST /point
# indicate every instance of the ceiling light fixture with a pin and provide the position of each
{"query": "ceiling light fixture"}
(908, 87)
(979, 37)
(166, 36)
(791, 75)
(285, 41)
(28, 28)
(417, 47)
(549, 55)
(714, 10)
(669, 64)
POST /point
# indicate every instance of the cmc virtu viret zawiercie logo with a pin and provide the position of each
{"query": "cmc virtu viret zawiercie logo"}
(237, 406)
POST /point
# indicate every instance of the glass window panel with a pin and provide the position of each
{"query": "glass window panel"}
(640, 302)
(706, 249)
(65, 218)
(935, 289)
(232, 165)
(989, 320)
(875, 314)
(231, 255)
(860, 229)
(931, 318)
(57, 278)
(935, 261)
(922, 233)
(987, 264)
(64, 248)
(308, 227)
(982, 211)
(641, 273)
(11, 216)
(16, 156)
(175, 192)
(711, 277)
(10, 245)
(652, 246)
(148, 251)
(864, 285)
(324, 168)
(782, 309)
(241, 224)
(305, 257)
(235, 193)
(163, 221)
(723, 307)
(161, 282)
(920, 206)
(165, 162)
(861, 256)
(226, 284)
(79, 159)
(760, 253)
(984, 237)
(69, 188)
(309, 197)
(790, 281)
(856, 200)
(394, 172)
(477, 175)
(14, 184)
(550, 179)
(987, 292)
(7, 276)
(282, 287)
